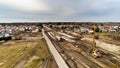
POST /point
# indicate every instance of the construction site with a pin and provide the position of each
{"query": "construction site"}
(60, 45)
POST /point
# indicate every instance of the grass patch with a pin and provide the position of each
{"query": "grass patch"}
(40, 51)
(10, 56)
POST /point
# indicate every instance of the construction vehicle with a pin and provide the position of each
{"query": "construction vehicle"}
(93, 49)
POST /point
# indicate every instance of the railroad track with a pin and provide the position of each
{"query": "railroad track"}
(80, 59)
(104, 61)
(83, 59)
(47, 61)
(67, 52)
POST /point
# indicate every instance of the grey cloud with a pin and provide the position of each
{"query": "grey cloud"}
(69, 10)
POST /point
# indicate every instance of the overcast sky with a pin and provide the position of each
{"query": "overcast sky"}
(60, 10)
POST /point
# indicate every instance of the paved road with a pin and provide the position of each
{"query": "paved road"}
(59, 60)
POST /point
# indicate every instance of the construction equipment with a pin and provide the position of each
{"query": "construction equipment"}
(93, 50)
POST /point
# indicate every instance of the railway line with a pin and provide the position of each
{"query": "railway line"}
(77, 60)
(59, 60)
(49, 62)
(46, 62)
(79, 57)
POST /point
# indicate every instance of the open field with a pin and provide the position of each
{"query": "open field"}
(37, 56)
(29, 53)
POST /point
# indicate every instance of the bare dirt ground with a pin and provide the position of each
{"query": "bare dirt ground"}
(78, 57)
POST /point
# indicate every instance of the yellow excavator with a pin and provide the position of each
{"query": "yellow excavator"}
(93, 50)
